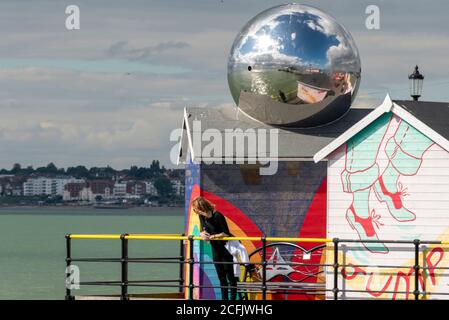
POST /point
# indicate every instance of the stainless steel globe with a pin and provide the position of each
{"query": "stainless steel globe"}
(294, 65)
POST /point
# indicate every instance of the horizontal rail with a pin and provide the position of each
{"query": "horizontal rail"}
(94, 236)
(152, 237)
(117, 236)
(180, 237)
(137, 260)
(265, 286)
(290, 239)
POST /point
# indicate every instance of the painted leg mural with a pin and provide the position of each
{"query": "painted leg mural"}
(404, 150)
(360, 174)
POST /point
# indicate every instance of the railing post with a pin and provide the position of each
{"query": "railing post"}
(191, 265)
(124, 262)
(181, 265)
(336, 265)
(68, 260)
(416, 267)
(264, 267)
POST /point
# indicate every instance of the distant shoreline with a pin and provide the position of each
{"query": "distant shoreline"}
(83, 207)
(86, 211)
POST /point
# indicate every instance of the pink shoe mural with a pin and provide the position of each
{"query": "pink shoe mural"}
(365, 228)
(394, 200)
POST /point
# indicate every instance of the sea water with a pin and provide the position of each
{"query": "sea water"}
(33, 250)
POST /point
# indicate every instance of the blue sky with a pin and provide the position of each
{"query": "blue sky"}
(111, 92)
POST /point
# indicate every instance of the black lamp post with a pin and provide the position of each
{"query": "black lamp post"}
(416, 80)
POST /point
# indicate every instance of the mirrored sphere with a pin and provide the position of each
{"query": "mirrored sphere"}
(294, 65)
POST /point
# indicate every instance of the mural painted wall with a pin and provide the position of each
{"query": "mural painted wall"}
(291, 203)
(389, 182)
(191, 223)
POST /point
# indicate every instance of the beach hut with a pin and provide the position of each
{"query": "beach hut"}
(388, 179)
(289, 201)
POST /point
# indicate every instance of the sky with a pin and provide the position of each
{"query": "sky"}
(111, 92)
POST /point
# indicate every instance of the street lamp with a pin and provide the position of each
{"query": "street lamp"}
(416, 80)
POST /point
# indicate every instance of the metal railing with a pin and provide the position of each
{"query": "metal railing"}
(124, 260)
(264, 286)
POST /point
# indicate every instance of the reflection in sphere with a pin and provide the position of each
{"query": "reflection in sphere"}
(294, 65)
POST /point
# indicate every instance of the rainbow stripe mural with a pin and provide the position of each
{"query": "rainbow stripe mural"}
(311, 222)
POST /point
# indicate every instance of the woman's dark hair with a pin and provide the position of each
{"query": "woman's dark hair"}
(202, 204)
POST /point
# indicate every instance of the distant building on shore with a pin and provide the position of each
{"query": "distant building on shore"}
(47, 186)
(150, 189)
(11, 185)
(73, 191)
(83, 189)
(95, 190)
(178, 187)
(120, 189)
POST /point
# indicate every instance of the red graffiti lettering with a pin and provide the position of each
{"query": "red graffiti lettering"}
(377, 293)
(431, 264)
(407, 277)
(354, 274)
(433, 259)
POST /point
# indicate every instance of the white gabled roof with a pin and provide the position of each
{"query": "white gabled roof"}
(185, 143)
(387, 106)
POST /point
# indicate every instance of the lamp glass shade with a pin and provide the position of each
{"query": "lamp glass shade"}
(416, 86)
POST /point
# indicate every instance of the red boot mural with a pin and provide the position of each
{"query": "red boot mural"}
(404, 149)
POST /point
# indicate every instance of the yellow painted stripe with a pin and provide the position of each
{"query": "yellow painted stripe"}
(299, 239)
(240, 238)
(179, 237)
(156, 234)
(277, 239)
(95, 236)
(151, 237)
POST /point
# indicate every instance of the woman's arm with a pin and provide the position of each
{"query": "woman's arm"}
(218, 235)
(203, 234)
